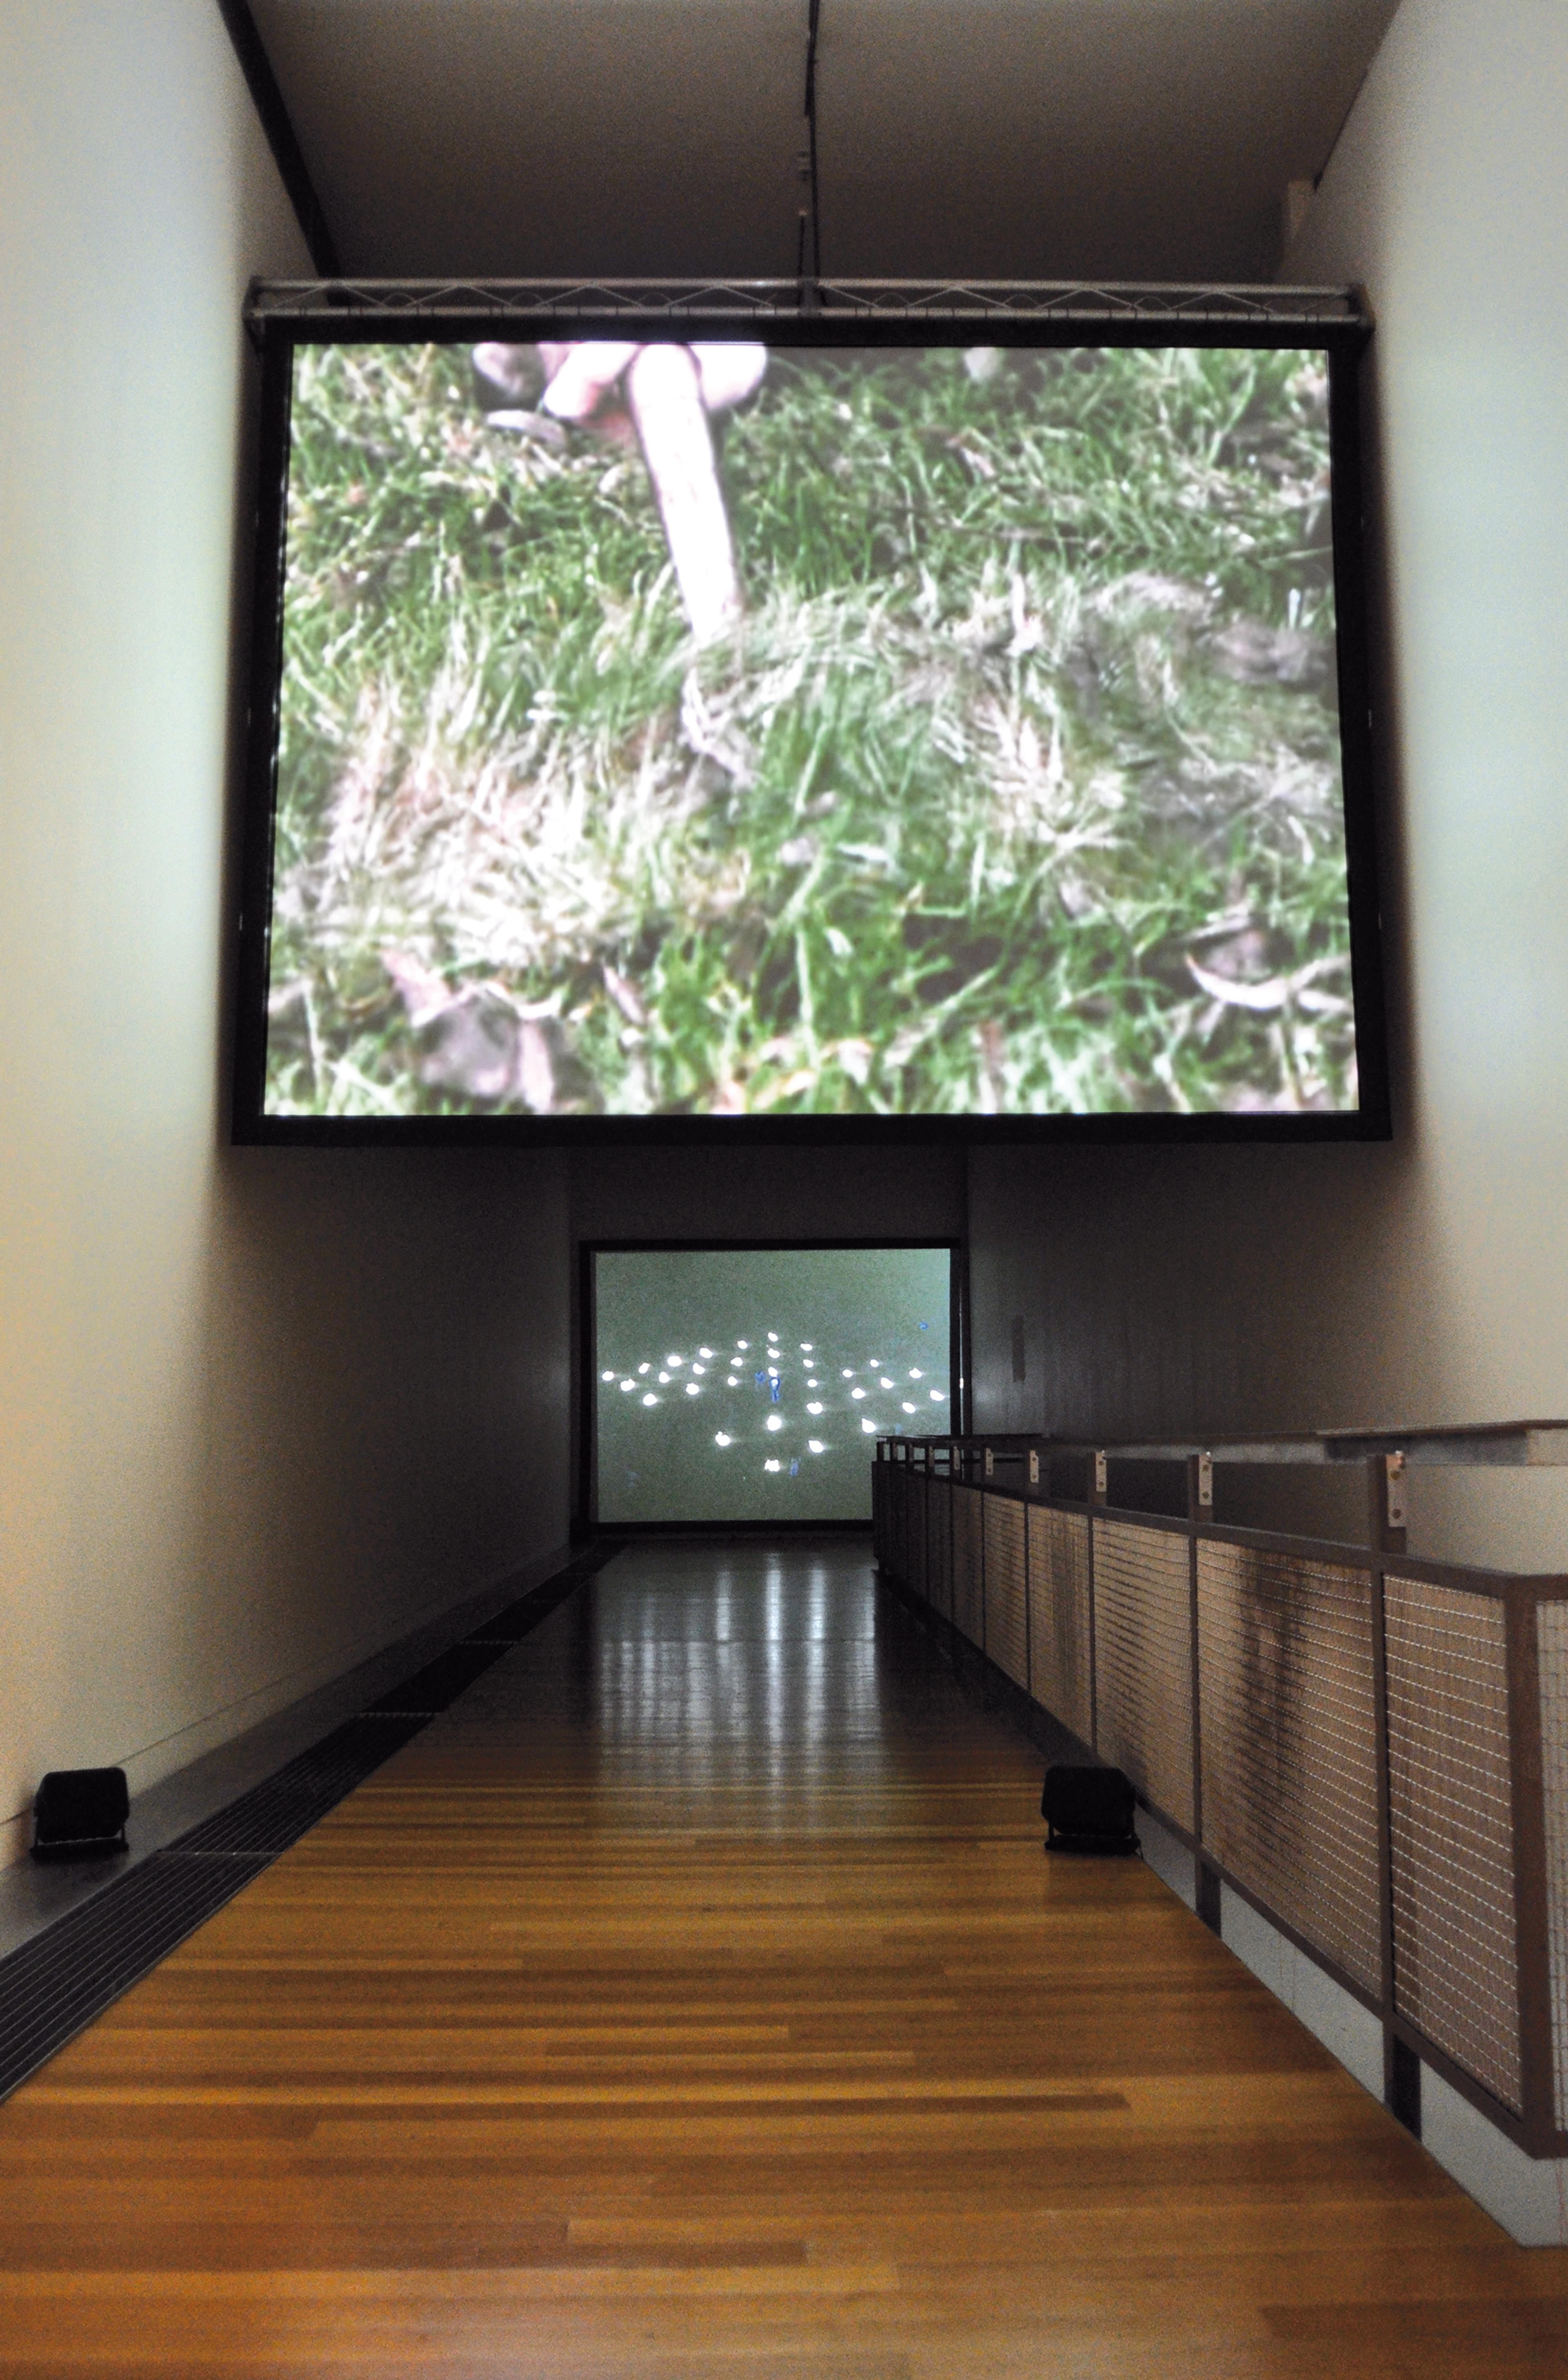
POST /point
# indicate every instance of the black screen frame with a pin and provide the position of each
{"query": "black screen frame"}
(586, 1524)
(1343, 341)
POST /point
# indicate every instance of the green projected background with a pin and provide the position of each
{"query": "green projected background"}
(749, 1384)
(927, 732)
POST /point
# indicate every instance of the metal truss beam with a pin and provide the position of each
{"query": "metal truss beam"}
(315, 306)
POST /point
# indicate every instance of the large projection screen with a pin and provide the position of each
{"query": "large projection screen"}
(749, 1385)
(725, 733)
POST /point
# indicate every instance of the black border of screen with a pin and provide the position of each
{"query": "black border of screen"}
(1345, 344)
(586, 1523)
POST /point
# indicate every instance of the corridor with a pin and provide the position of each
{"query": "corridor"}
(694, 1997)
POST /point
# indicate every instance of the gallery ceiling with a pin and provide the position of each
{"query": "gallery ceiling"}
(1139, 139)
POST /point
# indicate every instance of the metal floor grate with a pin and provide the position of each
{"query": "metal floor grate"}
(275, 1814)
(438, 1684)
(520, 1619)
(57, 1983)
(54, 1985)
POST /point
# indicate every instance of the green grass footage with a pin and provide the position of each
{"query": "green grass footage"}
(1016, 790)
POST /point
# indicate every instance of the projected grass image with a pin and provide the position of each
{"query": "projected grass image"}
(747, 1385)
(1003, 776)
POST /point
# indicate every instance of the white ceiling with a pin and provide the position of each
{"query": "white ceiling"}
(1139, 139)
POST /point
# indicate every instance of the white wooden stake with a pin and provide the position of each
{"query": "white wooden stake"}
(663, 390)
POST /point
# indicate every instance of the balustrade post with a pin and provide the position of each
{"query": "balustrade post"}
(1531, 1922)
(1200, 1507)
(1096, 1485)
(1386, 1541)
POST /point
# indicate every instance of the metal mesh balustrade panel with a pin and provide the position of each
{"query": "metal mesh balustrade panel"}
(1143, 1660)
(968, 1611)
(915, 1534)
(1451, 1827)
(879, 1514)
(1059, 1641)
(1552, 1624)
(1289, 1743)
(1006, 1619)
(938, 1545)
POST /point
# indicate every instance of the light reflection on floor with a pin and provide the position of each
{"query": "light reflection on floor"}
(699, 1665)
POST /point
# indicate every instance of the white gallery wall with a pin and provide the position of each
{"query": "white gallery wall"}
(262, 1412)
(1426, 1282)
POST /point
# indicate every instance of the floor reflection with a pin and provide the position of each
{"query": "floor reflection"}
(778, 1670)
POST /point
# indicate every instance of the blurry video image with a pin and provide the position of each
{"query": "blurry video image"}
(715, 730)
(752, 1385)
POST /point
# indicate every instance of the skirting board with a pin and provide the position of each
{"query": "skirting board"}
(1528, 2196)
(32, 1898)
(294, 1701)
(1171, 1860)
(1349, 2032)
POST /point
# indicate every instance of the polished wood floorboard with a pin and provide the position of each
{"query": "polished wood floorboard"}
(696, 1999)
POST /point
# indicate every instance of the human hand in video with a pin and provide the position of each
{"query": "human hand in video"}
(659, 395)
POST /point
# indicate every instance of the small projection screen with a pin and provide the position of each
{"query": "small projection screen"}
(674, 737)
(749, 1385)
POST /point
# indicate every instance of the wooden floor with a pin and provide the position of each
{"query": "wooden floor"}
(697, 1999)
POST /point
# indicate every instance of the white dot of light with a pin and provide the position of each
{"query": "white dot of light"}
(720, 1439)
(806, 1346)
(915, 1373)
(816, 1446)
(911, 1408)
(663, 1379)
(606, 1376)
(774, 1421)
(869, 1428)
(874, 1363)
(742, 1343)
(772, 1371)
(644, 1367)
(699, 1369)
(705, 1351)
(847, 1373)
(887, 1383)
(773, 1463)
(936, 1397)
(813, 1408)
(627, 1384)
(693, 1390)
(674, 1362)
(651, 1399)
(857, 1394)
(731, 1384)
(813, 1384)
(773, 1335)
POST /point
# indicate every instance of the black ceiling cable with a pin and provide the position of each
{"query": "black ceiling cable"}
(808, 245)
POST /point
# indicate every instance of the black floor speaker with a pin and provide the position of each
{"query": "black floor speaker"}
(81, 1814)
(1089, 1810)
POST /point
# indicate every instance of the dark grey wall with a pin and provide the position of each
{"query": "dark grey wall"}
(1203, 1293)
(760, 1194)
